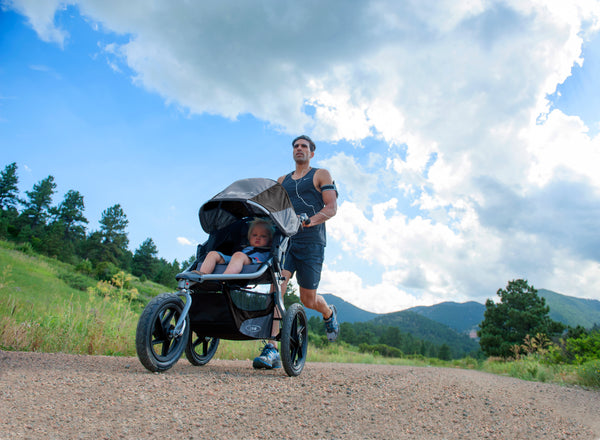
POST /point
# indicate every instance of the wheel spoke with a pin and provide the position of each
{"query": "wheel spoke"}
(166, 348)
(167, 318)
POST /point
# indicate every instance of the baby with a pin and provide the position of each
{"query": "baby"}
(260, 235)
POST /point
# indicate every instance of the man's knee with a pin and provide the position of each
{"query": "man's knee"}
(309, 298)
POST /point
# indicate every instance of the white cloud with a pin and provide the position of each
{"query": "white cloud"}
(41, 18)
(561, 145)
(185, 241)
(455, 89)
(347, 173)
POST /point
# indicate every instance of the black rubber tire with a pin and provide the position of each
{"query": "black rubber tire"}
(294, 340)
(156, 348)
(200, 349)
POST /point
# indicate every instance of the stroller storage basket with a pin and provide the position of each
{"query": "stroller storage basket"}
(232, 313)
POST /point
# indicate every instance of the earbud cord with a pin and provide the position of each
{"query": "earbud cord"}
(302, 177)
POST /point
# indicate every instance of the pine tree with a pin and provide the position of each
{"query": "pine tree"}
(9, 188)
(519, 313)
(37, 207)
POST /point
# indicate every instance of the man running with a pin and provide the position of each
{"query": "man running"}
(312, 192)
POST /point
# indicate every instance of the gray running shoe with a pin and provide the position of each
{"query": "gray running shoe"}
(331, 325)
(268, 359)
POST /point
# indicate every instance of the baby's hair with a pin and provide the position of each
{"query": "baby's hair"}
(263, 222)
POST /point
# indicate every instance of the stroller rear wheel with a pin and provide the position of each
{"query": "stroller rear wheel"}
(294, 340)
(158, 348)
(200, 349)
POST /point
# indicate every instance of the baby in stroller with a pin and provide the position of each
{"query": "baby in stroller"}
(260, 236)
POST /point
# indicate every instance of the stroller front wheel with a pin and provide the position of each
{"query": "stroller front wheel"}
(294, 340)
(158, 348)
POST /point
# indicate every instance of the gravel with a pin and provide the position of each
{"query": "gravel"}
(59, 396)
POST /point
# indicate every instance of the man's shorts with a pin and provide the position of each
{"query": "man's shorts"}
(306, 259)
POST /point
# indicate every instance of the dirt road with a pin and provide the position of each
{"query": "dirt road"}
(57, 396)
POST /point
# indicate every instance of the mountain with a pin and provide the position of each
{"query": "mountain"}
(451, 322)
(346, 311)
(462, 317)
(425, 328)
(571, 310)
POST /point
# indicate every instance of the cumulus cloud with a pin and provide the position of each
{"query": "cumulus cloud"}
(185, 241)
(481, 182)
(41, 18)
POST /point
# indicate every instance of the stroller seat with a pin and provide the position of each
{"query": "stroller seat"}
(227, 241)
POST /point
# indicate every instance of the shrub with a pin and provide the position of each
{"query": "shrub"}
(381, 349)
(105, 271)
(585, 348)
(589, 373)
(85, 267)
(76, 281)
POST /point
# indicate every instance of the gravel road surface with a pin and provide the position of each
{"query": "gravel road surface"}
(58, 396)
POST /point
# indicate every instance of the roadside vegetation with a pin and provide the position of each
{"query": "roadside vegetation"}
(51, 306)
(66, 289)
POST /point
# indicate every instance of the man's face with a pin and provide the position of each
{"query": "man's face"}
(302, 153)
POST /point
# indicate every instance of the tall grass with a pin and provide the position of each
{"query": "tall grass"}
(40, 311)
(47, 306)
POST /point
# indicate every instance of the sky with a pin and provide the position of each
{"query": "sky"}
(462, 135)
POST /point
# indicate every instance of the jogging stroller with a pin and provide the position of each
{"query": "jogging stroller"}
(207, 308)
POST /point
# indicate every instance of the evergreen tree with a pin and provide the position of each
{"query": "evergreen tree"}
(110, 243)
(8, 188)
(519, 313)
(144, 260)
(66, 232)
(69, 215)
(166, 272)
(9, 200)
(444, 352)
(37, 206)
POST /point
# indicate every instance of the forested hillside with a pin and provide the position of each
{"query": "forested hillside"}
(572, 311)
(60, 230)
(462, 317)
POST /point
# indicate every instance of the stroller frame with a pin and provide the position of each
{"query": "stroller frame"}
(210, 307)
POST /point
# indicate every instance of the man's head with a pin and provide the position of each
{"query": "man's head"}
(310, 142)
(303, 149)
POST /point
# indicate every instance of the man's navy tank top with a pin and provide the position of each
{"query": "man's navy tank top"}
(306, 200)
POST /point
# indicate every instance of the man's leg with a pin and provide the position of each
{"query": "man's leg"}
(316, 302)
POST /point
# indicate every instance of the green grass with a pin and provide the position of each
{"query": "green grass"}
(47, 306)
(40, 311)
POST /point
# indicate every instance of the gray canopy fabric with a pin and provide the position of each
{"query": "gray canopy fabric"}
(249, 198)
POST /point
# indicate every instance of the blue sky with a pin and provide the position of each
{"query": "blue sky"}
(463, 136)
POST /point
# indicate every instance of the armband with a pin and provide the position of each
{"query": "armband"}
(330, 187)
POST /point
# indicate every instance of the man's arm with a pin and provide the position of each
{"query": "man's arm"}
(323, 177)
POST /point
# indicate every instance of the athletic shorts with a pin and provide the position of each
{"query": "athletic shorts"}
(306, 259)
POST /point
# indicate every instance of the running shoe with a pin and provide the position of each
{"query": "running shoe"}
(331, 325)
(268, 359)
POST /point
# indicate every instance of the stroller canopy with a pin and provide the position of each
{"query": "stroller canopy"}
(249, 198)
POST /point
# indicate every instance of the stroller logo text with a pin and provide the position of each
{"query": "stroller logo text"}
(253, 328)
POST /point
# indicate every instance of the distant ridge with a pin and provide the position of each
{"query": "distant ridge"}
(466, 317)
(571, 310)
(346, 311)
(429, 330)
(462, 317)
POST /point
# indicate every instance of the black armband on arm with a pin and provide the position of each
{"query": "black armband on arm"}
(330, 187)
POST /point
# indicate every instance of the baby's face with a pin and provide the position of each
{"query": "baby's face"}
(259, 237)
